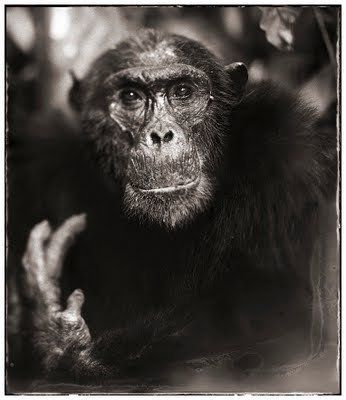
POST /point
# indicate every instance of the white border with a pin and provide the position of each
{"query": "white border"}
(2, 170)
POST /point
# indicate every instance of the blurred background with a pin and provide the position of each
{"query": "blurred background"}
(294, 46)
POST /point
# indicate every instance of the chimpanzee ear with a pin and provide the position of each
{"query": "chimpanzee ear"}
(239, 76)
(76, 92)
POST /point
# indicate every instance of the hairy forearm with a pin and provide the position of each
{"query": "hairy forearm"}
(60, 337)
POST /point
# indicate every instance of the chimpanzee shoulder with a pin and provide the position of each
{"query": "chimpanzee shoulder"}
(275, 138)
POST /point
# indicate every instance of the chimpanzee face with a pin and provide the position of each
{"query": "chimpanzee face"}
(151, 115)
(159, 109)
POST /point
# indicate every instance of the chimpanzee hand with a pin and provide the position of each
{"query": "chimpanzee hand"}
(61, 337)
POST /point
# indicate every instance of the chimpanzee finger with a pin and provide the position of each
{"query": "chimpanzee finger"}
(61, 241)
(71, 319)
(75, 303)
(34, 258)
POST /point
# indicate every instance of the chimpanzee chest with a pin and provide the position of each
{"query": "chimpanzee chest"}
(127, 276)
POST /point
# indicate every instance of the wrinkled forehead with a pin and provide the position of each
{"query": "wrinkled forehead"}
(155, 74)
(141, 51)
(161, 54)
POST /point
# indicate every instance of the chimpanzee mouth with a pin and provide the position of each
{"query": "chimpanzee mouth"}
(164, 175)
(172, 188)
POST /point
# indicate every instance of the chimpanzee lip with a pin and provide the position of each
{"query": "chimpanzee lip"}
(170, 189)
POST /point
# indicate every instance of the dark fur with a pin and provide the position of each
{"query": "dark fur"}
(155, 296)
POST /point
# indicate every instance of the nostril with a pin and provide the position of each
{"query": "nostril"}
(155, 138)
(168, 136)
(130, 138)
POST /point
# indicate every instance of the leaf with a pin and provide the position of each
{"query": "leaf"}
(277, 23)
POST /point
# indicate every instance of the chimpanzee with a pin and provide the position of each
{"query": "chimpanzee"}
(194, 198)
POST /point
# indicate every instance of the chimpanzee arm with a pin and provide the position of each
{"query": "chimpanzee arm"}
(61, 337)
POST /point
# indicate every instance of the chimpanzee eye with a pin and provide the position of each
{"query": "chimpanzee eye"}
(182, 91)
(131, 97)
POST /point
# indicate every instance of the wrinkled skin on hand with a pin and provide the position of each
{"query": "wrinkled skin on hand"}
(59, 334)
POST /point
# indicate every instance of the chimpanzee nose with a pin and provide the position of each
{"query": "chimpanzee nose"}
(159, 138)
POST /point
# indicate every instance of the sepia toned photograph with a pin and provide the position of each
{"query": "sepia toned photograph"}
(172, 199)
